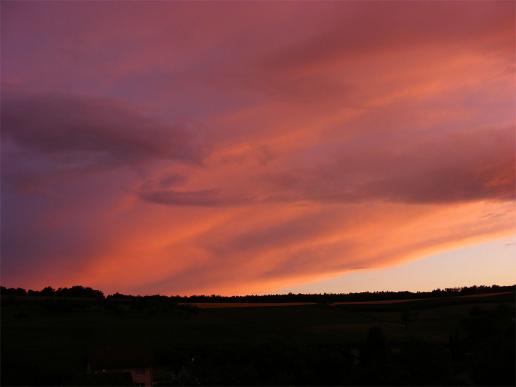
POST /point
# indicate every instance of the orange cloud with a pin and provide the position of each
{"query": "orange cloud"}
(153, 148)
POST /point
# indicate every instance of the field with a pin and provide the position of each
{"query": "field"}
(452, 341)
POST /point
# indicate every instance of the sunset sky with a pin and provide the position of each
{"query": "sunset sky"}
(241, 147)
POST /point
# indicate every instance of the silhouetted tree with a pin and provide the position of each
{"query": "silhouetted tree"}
(79, 291)
(47, 291)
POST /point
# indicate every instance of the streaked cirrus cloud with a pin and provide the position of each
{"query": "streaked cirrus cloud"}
(162, 147)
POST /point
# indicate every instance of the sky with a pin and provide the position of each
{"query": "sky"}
(462, 266)
(257, 147)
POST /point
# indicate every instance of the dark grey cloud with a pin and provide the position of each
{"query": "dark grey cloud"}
(203, 198)
(105, 131)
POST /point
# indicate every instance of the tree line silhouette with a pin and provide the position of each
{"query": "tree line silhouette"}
(73, 292)
(89, 293)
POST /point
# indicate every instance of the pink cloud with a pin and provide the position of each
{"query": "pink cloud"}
(166, 147)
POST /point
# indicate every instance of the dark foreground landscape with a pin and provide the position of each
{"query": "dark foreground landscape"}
(77, 336)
